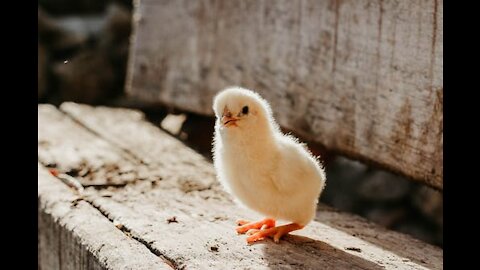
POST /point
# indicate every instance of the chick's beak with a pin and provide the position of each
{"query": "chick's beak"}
(229, 121)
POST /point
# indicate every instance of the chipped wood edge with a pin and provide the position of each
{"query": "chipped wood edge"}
(72, 234)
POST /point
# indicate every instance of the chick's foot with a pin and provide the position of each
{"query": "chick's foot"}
(275, 232)
(245, 226)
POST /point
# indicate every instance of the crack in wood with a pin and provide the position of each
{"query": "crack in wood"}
(379, 41)
(128, 232)
(106, 186)
(335, 38)
(434, 41)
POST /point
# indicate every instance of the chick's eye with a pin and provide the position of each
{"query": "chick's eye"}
(245, 110)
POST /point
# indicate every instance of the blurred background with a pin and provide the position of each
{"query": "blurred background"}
(83, 51)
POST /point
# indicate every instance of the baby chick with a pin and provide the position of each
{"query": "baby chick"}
(264, 169)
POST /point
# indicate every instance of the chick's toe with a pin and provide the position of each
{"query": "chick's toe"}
(246, 226)
(275, 232)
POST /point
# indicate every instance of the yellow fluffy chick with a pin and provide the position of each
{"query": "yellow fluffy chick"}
(264, 169)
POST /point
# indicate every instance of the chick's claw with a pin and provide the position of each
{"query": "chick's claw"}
(241, 222)
(246, 226)
(275, 232)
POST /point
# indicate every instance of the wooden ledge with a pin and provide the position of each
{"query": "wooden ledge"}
(150, 202)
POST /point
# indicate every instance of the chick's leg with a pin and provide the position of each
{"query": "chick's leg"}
(275, 232)
(245, 226)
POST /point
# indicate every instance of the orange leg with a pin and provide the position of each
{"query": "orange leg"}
(245, 226)
(275, 232)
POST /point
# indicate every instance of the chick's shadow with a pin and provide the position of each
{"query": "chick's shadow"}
(300, 252)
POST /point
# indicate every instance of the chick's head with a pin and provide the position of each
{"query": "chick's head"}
(239, 108)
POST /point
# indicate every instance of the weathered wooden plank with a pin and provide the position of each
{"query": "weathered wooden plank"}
(361, 77)
(78, 236)
(148, 145)
(204, 237)
(83, 154)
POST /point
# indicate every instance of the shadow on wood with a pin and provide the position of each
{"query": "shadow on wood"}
(326, 256)
(395, 243)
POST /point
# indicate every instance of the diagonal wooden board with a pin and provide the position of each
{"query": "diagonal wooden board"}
(361, 77)
(180, 183)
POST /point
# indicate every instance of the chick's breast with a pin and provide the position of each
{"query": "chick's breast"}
(283, 182)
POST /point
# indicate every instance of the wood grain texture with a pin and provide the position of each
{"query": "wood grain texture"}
(77, 236)
(83, 154)
(364, 78)
(203, 236)
(147, 144)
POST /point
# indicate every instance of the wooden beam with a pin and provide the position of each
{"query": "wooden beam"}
(72, 234)
(186, 217)
(364, 78)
